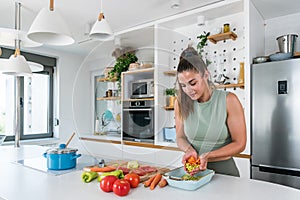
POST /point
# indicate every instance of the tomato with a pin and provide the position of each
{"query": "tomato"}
(121, 187)
(106, 184)
(133, 179)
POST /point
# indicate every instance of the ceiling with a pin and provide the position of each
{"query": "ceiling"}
(276, 8)
(121, 14)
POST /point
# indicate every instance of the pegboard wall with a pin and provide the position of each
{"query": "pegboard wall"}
(225, 56)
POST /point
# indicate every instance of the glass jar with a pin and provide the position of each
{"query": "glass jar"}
(109, 93)
(226, 28)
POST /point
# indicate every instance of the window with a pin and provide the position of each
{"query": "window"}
(36, 105)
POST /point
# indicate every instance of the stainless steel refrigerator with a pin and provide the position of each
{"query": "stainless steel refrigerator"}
(275, 122)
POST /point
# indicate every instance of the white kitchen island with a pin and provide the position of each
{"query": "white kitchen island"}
(19, 182)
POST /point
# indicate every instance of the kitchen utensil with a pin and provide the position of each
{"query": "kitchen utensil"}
(174, 179)
(261, 59)
(69, 140)
(2, 138)
(280, 56)
(63, 146)
(61, 158)
(286, 43)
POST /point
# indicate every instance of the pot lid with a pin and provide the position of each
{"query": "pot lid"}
(59, 150)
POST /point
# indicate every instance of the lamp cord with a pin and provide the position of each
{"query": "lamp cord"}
(17, 27)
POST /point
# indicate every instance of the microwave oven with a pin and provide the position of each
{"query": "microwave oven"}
(142, 88)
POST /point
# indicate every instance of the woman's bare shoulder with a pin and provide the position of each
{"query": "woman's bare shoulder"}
(233, 102)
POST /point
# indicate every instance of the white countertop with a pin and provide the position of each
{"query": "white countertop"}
(20, 182)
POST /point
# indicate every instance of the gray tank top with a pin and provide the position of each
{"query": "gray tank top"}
(206, 127)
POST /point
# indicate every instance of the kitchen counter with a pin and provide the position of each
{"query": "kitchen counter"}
(20, 182)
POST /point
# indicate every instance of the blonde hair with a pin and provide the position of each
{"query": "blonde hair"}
(189, 61)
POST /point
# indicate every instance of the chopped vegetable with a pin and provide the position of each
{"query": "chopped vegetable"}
(132, 164)
(188, 177)
(192, 164)
(88, 176)
(103, 169)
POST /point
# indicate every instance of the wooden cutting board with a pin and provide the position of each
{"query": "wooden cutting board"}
(142, 178)
(145, 177)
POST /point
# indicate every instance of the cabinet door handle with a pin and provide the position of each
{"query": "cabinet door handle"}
(279, 170)
(143, 109)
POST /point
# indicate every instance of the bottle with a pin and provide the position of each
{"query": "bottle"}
(241, 75)
(109, 93)
(226, 28)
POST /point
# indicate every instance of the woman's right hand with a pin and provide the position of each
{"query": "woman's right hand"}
(190, 152)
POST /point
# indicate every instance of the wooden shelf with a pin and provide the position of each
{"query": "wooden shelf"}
(296, 54)
(107, 79)
(222, 36)
(168, 108)
(139, 71)
(240, 85)
(108, 98)
(170, 73)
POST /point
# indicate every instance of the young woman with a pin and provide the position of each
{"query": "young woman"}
(210, 123)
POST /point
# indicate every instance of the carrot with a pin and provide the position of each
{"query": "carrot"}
(102, 169)
(162, 183)
(191, 159)
(149, 181)
(155, 181)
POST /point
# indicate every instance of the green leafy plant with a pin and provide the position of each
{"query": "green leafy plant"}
(122, 65)
(171, 91)
(201, 44)
(203, 41)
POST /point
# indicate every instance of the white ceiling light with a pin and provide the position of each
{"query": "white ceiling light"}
(49, 28)
(17, 64)
(5, 68)
(101, 29)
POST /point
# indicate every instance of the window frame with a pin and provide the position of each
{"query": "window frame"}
(49, 68)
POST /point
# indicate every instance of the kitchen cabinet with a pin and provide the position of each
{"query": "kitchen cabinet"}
(134, 75)
(138, 105)
(107, 107)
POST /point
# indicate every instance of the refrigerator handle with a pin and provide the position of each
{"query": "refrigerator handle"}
(279, 170)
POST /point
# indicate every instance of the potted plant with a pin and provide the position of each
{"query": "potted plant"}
(171, 96)
(201, 44)
(122, 65)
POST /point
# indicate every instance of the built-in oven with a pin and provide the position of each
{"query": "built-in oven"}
(138, 121)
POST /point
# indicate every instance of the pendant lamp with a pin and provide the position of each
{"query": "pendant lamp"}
(49, 28)
(101, 29)
(16, 64)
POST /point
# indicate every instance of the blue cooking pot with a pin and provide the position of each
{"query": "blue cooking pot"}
(61, 158)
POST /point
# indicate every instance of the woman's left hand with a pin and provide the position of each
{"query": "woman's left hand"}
(203, 161)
